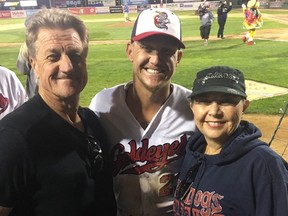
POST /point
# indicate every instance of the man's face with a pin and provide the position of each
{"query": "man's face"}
(59, 63)
(154, 61)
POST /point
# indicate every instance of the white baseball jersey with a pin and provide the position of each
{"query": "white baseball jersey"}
(12, 92)
(145, 161)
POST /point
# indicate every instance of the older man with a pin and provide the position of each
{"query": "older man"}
(52, 152)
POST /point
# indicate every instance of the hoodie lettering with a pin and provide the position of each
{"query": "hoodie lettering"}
(204, 204)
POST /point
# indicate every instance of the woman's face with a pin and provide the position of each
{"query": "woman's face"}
(218, 115)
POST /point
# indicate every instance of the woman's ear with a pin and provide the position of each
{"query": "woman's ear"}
(246, 104)
(191, 105)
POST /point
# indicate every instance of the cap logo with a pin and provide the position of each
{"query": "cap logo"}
(161, 20)
(218, 75)
(219, 79)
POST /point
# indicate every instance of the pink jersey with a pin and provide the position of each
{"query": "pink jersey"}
(146, 161)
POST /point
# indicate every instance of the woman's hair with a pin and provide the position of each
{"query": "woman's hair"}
(54, 18)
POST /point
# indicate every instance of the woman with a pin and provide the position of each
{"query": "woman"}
(227, 170)
(206, 18)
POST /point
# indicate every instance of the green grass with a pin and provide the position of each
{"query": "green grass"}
(107, 64)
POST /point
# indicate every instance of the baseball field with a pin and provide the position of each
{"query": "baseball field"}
(264, 64)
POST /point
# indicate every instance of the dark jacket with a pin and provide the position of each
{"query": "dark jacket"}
(246, 178)
(223, 10)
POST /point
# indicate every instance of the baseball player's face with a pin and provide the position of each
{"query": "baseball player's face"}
(154, 61)
(217, 115)
(60, 64)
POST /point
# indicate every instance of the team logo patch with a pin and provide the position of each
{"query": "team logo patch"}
(161, 20)
(4, 102)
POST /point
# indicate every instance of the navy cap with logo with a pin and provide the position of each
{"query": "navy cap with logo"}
(157, 21)
(219, 79)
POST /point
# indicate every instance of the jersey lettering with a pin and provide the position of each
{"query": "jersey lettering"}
(145, 158)
(167, 181)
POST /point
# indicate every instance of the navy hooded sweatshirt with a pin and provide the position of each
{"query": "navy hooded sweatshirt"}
(247, 178)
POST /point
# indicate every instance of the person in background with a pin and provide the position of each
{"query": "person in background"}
(24, 67)
(222, 12)
(148, 119)
(206, 19)
(253, 20)
(53, 157)
(12, 92)
(126, 13)
(227, 169)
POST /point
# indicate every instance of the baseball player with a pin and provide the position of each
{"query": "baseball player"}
(126, 12)
(148, 120)
(12, 92)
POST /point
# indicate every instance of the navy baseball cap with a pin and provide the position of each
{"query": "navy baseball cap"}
(157, 21)
(220, 79)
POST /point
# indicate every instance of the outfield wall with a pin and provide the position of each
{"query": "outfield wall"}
(192, 6)
(109, 9)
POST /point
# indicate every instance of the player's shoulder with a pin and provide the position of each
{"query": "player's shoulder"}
(10, 83)
(107, 96)
(180, 96)
(111, 91)
(179, 89)
(7, 74)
